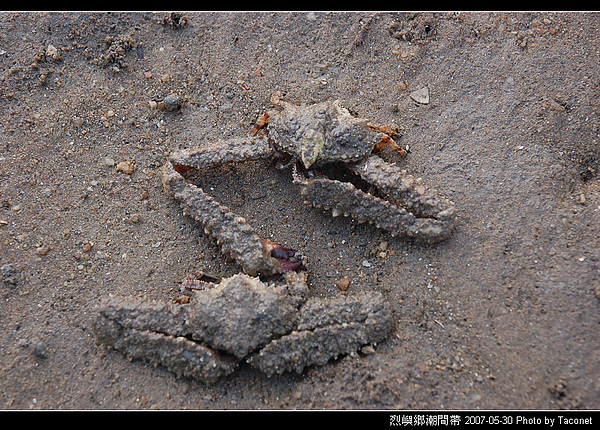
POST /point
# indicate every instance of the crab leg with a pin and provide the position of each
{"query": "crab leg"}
(327, 328)
(222, 152)
(142, 329)
(237, 238)
(421, 214)
(410, 191)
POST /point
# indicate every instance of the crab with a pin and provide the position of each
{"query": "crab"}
(264, 316)
(319, 141)
(273, 327)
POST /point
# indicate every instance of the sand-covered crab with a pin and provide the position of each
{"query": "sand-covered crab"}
(264, 316)
(274, 327)
(322, 142)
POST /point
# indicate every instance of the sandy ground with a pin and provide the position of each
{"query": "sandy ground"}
(502, 315)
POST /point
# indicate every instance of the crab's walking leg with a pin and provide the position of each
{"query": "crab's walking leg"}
(409, 191)
(222, 152)
(413, 210)
(326, 329)
(236, 237)
(155, 332)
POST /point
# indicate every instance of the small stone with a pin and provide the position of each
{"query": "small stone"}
(8, 275)
(421, 96)
(53, 53)
(87, 246)
(367, 349)
(127, 166)
(172, 102)
(43, 249)
(39, 350)
(109, 161)
(366, 263)
(135, 218)
(582, 199)
(343, 283)
(77, 121)
(383, 246)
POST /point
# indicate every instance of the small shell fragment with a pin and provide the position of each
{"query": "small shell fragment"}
(421, 96)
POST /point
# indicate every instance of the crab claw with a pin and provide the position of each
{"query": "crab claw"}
(283, 255)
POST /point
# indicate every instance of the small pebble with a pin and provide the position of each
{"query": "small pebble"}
(43, 249)
(127, 166)
(52, 53)
(39, 350)
(77, 121)
(343, 283)
(8, 275)
(172, 102)
(109, 161)
(366, 263)
(367, 349)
